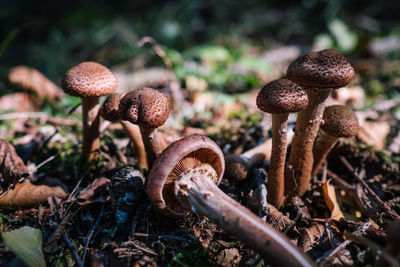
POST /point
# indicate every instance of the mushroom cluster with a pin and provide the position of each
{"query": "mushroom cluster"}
(184, 176)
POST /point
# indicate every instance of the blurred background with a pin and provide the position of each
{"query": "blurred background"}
(52, 36)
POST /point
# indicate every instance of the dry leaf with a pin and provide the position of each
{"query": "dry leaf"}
(229, 257)
(331, 201)
(18, 102)
(32, 80)
(311, 236)
(374, 133)
(11, 165)
(97, 188)
(28, 195)
(353, 95)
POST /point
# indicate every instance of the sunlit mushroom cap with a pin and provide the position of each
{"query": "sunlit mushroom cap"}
(340, 121)
(189, 152)
(146, 106)
(109, 109)
(324, 69)
(282, 96)
(237, 168)
(89, 79)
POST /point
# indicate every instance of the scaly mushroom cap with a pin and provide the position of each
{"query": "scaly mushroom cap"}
(179, 157)
(324, 69)
(146, 106)
(89, 79)
(282, 96)
(109, 110)
(237, 168)
(339, 121)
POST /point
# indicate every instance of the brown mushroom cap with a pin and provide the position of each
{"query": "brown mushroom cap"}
(109, 110)
(175, 159)
(324, 69)
(238, 168)
(282, 96)
(339, 121)
(89, 79)
(146, 106)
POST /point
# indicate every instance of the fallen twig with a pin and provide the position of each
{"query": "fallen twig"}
(382, 204)
(91, 232)
(73, 250)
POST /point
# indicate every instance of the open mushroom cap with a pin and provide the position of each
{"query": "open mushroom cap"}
(180, 156)
(146, 106)
(282, 96)
(109, 109)
(323, 69)
(89, 79)
(339, 121)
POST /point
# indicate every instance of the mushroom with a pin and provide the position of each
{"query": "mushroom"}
(89, 81)
(109, 111)
(238, 166)
(185, 176)
(149, 109)
(337, 121)
(279, 97)
(318, 73)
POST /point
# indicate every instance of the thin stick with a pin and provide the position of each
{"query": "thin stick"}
(38, 115)
(73, 250)
(383, 205)
(91, 232)
(261, 176)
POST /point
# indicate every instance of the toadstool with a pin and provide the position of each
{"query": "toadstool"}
(148, 108)
(109, 111)
(318, 73)
(89, 81)
(238, 166)
(185, 176)
(337, 121)
(279, 97)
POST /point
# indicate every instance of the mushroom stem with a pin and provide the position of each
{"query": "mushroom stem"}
(153, 143)
(301, 156)
(276, 172)
(205, 198)
(322, 146)
(91, 124)
(134, 133)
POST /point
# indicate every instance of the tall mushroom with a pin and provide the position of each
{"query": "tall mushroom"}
(148, 108)
(318, 73)
(185, 176)
(337, 121)
(279, 97)
(109, 111)
(89, 81)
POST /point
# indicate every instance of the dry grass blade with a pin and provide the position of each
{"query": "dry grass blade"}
(11, 165)
(29, 195)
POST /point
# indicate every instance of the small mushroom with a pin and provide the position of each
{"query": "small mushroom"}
(109, 111)
(337, 121)
(149, 109)
(318, 73)
(239, 166)
(184, 178)
(89, 81)
(279, 97)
